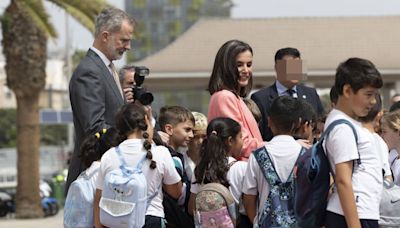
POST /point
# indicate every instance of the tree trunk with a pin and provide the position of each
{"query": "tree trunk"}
(28, 141)
(24, 46)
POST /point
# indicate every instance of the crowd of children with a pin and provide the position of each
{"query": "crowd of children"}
(222, 150)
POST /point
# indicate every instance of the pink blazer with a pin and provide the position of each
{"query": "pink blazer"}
(226, 104)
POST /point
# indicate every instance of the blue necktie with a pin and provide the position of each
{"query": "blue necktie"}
(291, 92)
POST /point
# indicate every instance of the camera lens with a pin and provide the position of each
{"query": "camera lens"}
(146, 98)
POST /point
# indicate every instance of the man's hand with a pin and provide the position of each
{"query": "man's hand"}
(128, 93)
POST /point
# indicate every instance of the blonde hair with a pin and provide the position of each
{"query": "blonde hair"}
(392, 119)
(200, 121)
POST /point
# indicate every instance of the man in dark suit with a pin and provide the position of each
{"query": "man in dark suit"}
(286, 60)
(95, 91)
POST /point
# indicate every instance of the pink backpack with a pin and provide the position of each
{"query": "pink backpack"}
(215, 207)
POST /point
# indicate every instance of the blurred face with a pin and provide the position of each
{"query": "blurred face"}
(198, 138)
(362, 101)
(244, 63)
(119, 42)
(281, 71)
(236, 145)
(182, 134)
(391, 137)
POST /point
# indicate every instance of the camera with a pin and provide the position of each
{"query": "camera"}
(139, 93)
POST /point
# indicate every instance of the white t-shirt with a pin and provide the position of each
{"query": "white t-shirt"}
(283, 151)
(367, 178)
(132, 150)
(235, 177)
(395, 166)
(189, 165)
(383, 149)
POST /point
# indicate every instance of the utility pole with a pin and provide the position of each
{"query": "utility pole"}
(70, 139)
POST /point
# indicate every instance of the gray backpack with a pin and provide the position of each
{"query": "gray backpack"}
(390, 205)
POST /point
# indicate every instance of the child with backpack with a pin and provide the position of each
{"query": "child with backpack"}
(210, 204)
(390, 133)
(353, 159)
(132, 174)
(78, 208)
(268, 181)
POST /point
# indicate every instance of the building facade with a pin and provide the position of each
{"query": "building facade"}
(160, 22)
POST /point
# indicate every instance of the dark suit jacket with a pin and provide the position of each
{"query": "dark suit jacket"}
(94, 98)
(264, 98)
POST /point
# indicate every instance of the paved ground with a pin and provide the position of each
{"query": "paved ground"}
(48, 222)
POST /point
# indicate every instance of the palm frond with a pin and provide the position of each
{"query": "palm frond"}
(36, 10)
(83, 11)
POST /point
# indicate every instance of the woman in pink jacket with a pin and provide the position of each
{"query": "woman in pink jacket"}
(230, 81)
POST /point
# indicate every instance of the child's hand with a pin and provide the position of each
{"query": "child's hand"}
(164, 137)
(304, 143)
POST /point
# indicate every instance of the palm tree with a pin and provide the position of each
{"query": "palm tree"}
(26, 28)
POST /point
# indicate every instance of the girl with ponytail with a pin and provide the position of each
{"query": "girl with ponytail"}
(133, 122)
(217, 160)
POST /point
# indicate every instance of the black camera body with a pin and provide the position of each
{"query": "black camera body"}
(139, 93)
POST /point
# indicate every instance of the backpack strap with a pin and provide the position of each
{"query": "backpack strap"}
(267, 166)
(328, 130)
(124, 166)
(87, 176)
(139, 167)
(268, 169)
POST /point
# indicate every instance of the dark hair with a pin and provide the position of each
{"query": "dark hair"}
(358, 73)
(213, 165)
(395, 107)
(252, 106)
(174, 115)
(374, 110)
(306, 114)
(94, 146)
(287, 51)
(225, 73)
(123, 70)
(333, 95)
(284, 114)
(130, 118)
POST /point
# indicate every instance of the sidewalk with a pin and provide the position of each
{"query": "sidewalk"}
(48, 222)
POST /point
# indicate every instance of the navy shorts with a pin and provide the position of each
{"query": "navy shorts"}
(334, 220)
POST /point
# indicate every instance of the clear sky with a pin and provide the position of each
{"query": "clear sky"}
(82, 39)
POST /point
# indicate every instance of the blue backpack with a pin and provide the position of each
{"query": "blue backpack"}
(78, 208)
(312, 181)
(278, 209)
(124, 200)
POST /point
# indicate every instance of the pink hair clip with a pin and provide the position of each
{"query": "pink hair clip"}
(214, 132)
